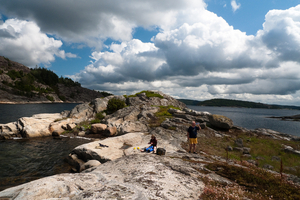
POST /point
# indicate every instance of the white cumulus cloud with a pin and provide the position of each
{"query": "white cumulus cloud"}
(23, 41)
(207, 56)
(91, 22)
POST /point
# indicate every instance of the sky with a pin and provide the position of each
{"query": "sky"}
(189, 49)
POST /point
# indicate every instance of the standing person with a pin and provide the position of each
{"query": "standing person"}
(192, 136)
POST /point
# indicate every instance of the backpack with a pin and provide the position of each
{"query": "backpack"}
(160, 151)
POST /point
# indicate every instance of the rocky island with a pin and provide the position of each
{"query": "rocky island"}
(231, 162)
(20, 84)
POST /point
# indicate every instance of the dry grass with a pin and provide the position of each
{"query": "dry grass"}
(251, 180)
(262, 147)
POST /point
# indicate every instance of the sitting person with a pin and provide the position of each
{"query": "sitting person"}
(153, 144)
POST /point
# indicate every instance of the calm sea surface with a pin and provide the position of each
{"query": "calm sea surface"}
(252, 118)
(12, 112)
(24, 160)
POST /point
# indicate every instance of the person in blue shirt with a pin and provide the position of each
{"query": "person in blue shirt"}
(192, 136)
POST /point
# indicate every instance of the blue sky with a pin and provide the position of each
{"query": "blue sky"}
(194, 49)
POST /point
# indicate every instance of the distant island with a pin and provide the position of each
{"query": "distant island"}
(235, 103)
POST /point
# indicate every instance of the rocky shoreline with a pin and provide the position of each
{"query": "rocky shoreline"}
(37, 102)
(113, 168)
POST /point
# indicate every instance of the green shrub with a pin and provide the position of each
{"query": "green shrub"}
(68, 82)
(115, 104)
(106, 94)
(45, 76)
(99, 116)
(50, 98)
(72, 95)
(161, 116)
(63, 98)
(24, 87)
(1, 71)
(95, 121)
(150, 94)
(13, 74)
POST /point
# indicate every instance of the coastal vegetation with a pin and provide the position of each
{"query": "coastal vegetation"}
(41, 84)
(234, 103)
(161, 115)
(148, 94)
(99, 116)
(115, 104)
(253, 180)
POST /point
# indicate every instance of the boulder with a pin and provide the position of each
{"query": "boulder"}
(37, 125)
(173, 111)
(240, 149)
(220, 121)
(133, 101)
(98, 128)
(290, 149)
(82, 112)
(71, 126)
(110, 131)
(81, 133)
(9, 130)
(58, 127)
(64, 126)
(275, 158)
(253, 162)
(65, 113)
(267, 166)
(260, 158)
(229, 148)
(239, 142)
(89, 164)
(247, 155)
(246, 150)
(100, 104)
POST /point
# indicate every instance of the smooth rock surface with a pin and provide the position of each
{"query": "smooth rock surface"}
(37, 125)
(139, 176)
(98, 128)
(117, 147)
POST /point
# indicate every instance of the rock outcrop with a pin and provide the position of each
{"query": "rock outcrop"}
(137, 176)
(221, 121)
(115, 168)
(115, 147)
(275, 134)
(129, 119)
(165, 101)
